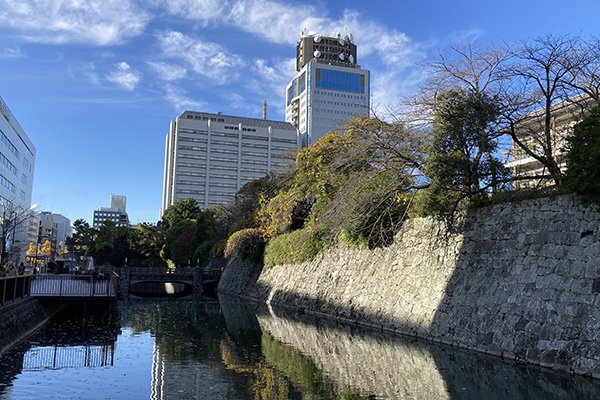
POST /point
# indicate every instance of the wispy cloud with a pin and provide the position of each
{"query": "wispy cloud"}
(168, 71)
(124, 76)
(97, 22)
(88, 70)
(11, 52)
(179, 100)
(200, 56)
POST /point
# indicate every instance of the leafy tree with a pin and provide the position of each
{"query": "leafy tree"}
(583, 153)
(82, 240)
(459, 161)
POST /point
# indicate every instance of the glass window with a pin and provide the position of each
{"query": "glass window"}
(340, 80)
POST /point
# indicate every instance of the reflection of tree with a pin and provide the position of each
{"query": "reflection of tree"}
(282, 372)
(185, 332)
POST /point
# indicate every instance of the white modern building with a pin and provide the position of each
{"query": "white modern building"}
(209, 157)
(17, 161)
(329, 88)
(115, 213)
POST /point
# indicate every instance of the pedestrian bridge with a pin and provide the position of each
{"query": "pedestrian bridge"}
(75, 286)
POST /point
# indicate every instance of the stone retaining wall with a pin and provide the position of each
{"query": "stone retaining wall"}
(20, 318)
(522, 281)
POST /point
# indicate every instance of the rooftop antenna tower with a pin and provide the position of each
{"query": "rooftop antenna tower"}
(265, 110)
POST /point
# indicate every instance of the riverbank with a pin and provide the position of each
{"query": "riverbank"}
(522, 281)
(20, 318)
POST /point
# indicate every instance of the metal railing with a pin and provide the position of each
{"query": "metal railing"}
(74, 286)
(41, 358)
(14, 287)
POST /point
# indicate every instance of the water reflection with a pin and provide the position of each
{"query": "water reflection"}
(169, 349)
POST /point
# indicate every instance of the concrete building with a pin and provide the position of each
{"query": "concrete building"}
(17, 161)
(564, 116)
(115, 213)
(208, 157)
(329, 88)
(59, 225)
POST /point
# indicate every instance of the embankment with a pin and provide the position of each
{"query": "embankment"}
(521, 281)
(22, 317)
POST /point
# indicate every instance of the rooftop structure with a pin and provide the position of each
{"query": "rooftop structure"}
(115, 213)
(329, 88)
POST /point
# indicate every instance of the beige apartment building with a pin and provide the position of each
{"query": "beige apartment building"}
(564, 117)
(209, 157)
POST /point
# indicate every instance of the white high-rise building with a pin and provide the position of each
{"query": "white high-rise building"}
(329, 89)
(17, 161)
(208, 157)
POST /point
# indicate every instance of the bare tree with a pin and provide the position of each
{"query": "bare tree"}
(542, 80)
(13, 220)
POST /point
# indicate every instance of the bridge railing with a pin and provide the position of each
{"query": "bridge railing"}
(74, 286)
(14, 287)
(161, 271)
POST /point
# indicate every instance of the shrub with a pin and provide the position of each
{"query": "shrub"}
(247, 244)
(295, 247)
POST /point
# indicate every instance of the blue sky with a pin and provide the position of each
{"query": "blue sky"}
(94, 83)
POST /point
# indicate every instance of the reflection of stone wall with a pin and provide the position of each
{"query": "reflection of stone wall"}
(522, 281)
(400, 368)
(388, 369)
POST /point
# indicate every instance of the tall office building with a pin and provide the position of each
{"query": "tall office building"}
(115, 213)
(329, 88)
(17, 161)
(208, 157)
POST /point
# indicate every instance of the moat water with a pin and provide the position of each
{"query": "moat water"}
(178, 349)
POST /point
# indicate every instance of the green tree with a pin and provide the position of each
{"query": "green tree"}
(82, 240)
(460, 162)
(583, 153)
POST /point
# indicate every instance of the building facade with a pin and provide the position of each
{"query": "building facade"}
(116, 213)
(329, 88)
(564, 117)
(208, 157)
(17, 162)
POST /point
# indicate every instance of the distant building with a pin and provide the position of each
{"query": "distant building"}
(329, 88)
(115, 213)
(17, 161)
(564, 117)
(59, 224)
(208, 157)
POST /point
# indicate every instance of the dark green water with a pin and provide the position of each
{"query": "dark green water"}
(177, 349)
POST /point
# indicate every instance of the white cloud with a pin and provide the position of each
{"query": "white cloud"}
(180, 101)
(202, 57)
(124, 76)
(168, 71)
(268, 81)
(11, 52)
(97, 22)
(391, 55)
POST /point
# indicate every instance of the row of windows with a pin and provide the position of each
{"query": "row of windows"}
(225, 194)
(193, 148)
(24, 179)
(205, 118)
(189, 191)
(340, 103)
(11, 167)
(191, 165)
(189, 183)
(340, 95)
(224, 159)
(257, 170)
(337, 112)
(339, 80)
(223, 185)
(253, 153)
(222, 176)
(9, 144)
(192, 156)
(224, 151)
(7, 184)
(27, 165)
(189, 139)
(224, 142)
(186, 173)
